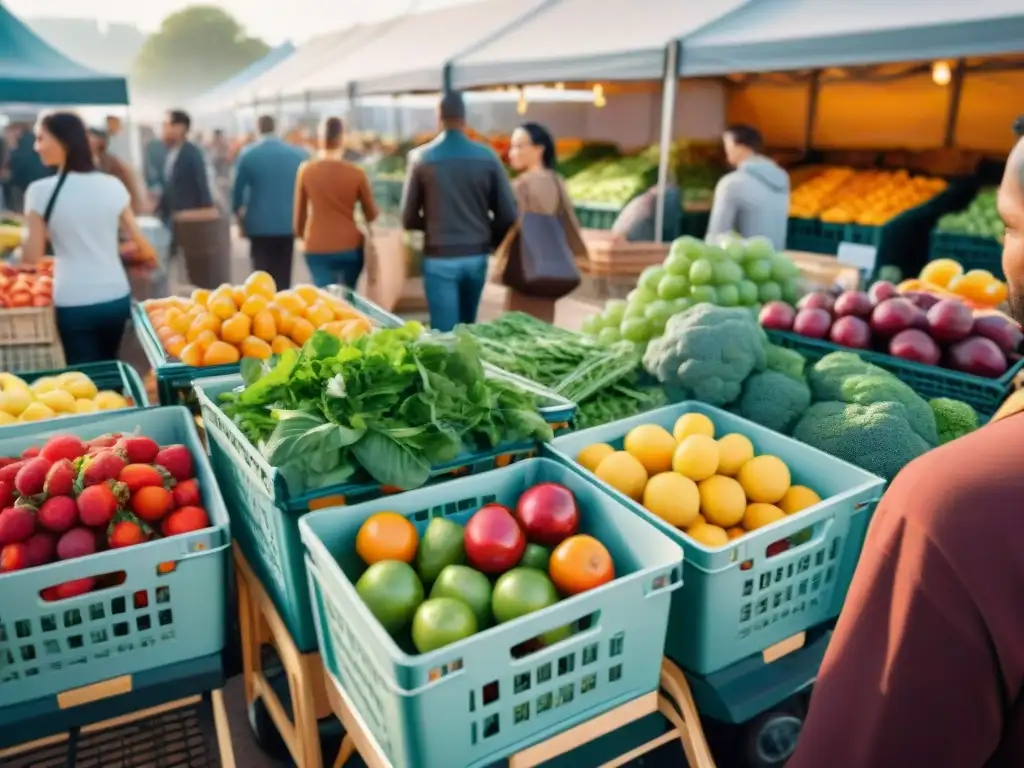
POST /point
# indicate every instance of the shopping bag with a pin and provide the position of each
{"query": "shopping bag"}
(536, 259)
(385, 267)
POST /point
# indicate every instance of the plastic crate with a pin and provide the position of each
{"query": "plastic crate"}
(174, 379)
(970, 251)
(597, 215)
(806, 235)
(736, 600)
(108, 375)
(153, 618)
(929, 381)
(472, 703)
(266, 514)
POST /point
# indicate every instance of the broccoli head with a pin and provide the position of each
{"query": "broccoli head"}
(881, 387)
(826, 376)
(876, 437)
(774, 400)
(707, 353)
(787, 361)
(953, 418)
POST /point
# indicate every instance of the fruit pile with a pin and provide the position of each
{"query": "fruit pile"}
(913, 325)
(28, 287)
(255, 319)
(71, 498)
(979, 219)
(870, 198)
(733, 273)
(52, 396)
(978, 287)
(458, 580)
(714, 490)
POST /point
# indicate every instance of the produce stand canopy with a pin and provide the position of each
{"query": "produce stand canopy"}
(774, 35)
(410, 52)
(580, 40)
(214, 99)
(33, 72)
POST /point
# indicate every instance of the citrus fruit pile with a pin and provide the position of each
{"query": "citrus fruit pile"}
(713, 489)
(52, 396)
(254, 319)
(457, 580)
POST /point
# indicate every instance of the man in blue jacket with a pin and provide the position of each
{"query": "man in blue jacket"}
(263, 198)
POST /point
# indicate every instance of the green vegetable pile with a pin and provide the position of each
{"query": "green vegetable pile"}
(389, 407)
(979, 219)
(604, 381)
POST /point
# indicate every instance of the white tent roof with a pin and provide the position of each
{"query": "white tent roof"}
(774, 35)
(409, 53)
(588, 40)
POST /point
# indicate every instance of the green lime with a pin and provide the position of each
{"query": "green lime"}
(769, 292)
(442, 545)
(728, 295)
(468, 585)
(702, 272)
(650, 278)
(441, 621)
(636, 329)
(522, 591)
(614, 309)
(535, 556)
(703, 294)
(392, 591)
(758, 270)
(673, 287)
(748, 292)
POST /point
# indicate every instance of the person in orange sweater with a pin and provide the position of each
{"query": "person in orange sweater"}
(327, 190)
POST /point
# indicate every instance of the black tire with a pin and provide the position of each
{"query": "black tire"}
(265, 732)
(771, 737)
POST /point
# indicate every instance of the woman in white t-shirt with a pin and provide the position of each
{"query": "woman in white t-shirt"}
(80, 212)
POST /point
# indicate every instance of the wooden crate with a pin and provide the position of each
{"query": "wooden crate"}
(608, 256)
(29, 340)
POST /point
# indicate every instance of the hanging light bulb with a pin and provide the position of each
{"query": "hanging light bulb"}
(559, 86)
(599, 99)
(521, 104)
(941, 73)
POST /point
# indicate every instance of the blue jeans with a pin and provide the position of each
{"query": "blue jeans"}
(454, 285)
(91, 333)
(338, 268)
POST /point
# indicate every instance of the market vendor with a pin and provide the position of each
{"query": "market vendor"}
(754, 198)
(926, 666)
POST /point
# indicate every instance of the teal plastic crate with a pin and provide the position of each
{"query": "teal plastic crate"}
(597, 215)
(929, 381)
(970, 251)
(174, 379)
(155, 617)
(472, 703)
(807, 235)
(266, 515)
(737, 601)
(109, 374)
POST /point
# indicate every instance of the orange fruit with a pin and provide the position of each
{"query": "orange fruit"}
(387, 536)
(353, 329)
(221, 353)
(222, 291)
(285, 323)
(238, 295)
(203, 322)
(222, 307)
(290, 301)
(263, 325)
(308, 293)
(181, 323)
(236, 328)
(200, 296)
(175, 345)
(280, 344)
(253, 347)
(205, 339)
(301, 330)
(333, 328)
(255, 304)
(192, 355)
(318, 314)
(164, 332)
(260, 283)
(580, 563)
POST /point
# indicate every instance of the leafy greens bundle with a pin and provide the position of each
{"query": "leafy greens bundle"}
(389, 406)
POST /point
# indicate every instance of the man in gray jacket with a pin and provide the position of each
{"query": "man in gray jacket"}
(753, 199)
(456, 193)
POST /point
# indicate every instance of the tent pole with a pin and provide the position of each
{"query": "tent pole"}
(668, 112)
(956, 88)
(812, 110)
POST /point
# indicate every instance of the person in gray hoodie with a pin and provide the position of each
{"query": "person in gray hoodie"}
(753, 199)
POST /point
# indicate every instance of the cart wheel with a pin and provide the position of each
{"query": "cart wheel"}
(265, 732)
(771, 737)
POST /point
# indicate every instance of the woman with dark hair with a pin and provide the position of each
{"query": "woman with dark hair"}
(79, 212)
(539, 189)
(327, 190)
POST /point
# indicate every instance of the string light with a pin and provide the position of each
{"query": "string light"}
(559, 86)
(941, 73)
(599, 99)
(521, 105)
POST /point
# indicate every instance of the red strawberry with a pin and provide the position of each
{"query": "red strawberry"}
(126, 533)
(4, 461)
(6, 495)
(74, 588)
(97, 505)
(177, 460)
(30, 453)
(16, 525)
(14, 557)
(63, 447)
(103, 441)
(138, 448)
(185, 520)
(78, 542)
(186, 494)
(152, 503)
(58, 514)
(42, 549)
(100, 467)
(60, 480)
(138, 476)
(9, 472)
(32, 477)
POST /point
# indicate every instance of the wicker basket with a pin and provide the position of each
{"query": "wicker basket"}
(29, 340)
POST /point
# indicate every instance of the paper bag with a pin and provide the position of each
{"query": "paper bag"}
(386, 267)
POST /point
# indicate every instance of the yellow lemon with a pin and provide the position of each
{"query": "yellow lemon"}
(673, 498)
(57, 400)
(14, 401)
(764, 478)
(696, 457)
(593, 455)
(37, 412)
(711, 536)
(734, 450)
(623, 473)
(692, 424)
(652, 446)
(109, 401)
(45, 384)
(85, 406)
(759, 515)
(701, 520)
(722, 501)
(81, 387)
(797, 498)
(6, 418)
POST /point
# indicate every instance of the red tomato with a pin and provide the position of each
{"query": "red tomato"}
(494, 540)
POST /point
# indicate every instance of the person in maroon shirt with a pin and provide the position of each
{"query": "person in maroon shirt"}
(926, 665)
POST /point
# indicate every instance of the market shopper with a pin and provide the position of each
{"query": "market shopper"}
(754, 198)
(539, 190)
(80, 211)
(263, 199)
(328, 190)
(926, 666)
(456, 192)
(115, 166)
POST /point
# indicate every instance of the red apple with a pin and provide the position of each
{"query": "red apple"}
(494, 541)
(548, 514)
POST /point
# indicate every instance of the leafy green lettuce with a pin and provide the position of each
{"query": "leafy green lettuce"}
(389, 406)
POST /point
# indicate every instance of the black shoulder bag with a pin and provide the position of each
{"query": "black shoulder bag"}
(49, 210)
